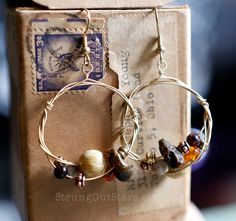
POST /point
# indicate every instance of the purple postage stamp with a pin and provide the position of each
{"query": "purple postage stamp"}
(58, 59)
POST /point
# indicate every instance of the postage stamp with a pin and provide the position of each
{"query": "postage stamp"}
(58, 58)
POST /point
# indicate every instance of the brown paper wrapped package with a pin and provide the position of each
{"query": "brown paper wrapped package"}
(85, 120)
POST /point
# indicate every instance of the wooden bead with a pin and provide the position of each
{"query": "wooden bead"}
(93, 163)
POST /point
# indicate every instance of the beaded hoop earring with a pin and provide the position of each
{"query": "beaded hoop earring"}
(173, 158)
(92, 164)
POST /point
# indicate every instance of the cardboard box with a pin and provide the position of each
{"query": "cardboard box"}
(74, 4)
(85, 119)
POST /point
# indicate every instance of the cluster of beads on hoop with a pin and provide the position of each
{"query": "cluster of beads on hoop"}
(151, 162)
(191, 148)
(184, 154)
(94, 163)
(173, 157)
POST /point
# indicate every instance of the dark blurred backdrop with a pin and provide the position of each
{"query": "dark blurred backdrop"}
(214, 75)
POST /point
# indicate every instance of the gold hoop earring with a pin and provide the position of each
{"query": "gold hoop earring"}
(92, 164)
(173, 158)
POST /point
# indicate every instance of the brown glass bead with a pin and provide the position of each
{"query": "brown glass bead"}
(192, 155)
(193, 140)
(110, 176)
(144, 165)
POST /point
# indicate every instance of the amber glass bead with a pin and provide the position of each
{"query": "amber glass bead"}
(110, 176)
(192, 155)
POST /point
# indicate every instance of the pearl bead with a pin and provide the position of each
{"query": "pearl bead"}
(93, 163)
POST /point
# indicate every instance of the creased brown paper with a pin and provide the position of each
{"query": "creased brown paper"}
(133, 57)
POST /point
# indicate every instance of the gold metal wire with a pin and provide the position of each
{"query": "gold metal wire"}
(206, 130)
(87, 68)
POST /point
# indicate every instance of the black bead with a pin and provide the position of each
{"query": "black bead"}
(60, 171)
(193, 140)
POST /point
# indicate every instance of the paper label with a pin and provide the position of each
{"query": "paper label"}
(133, 57)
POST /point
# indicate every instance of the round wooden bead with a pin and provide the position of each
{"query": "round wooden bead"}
(93, 163)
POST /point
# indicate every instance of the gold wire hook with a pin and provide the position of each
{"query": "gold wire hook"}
(88, 21)
(161, 49)
(87, 67)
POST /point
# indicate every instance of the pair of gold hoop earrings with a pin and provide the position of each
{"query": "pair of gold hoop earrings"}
(94, 164)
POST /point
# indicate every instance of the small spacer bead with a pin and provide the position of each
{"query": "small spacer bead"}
(144, 165)
(80, 180)
(183, 147)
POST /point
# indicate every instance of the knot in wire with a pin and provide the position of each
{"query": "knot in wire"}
(134, 113)
(122, 131)
(204, 103)
(49, 106)
(87, 68)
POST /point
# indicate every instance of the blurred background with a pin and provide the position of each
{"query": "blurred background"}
(213, 75)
